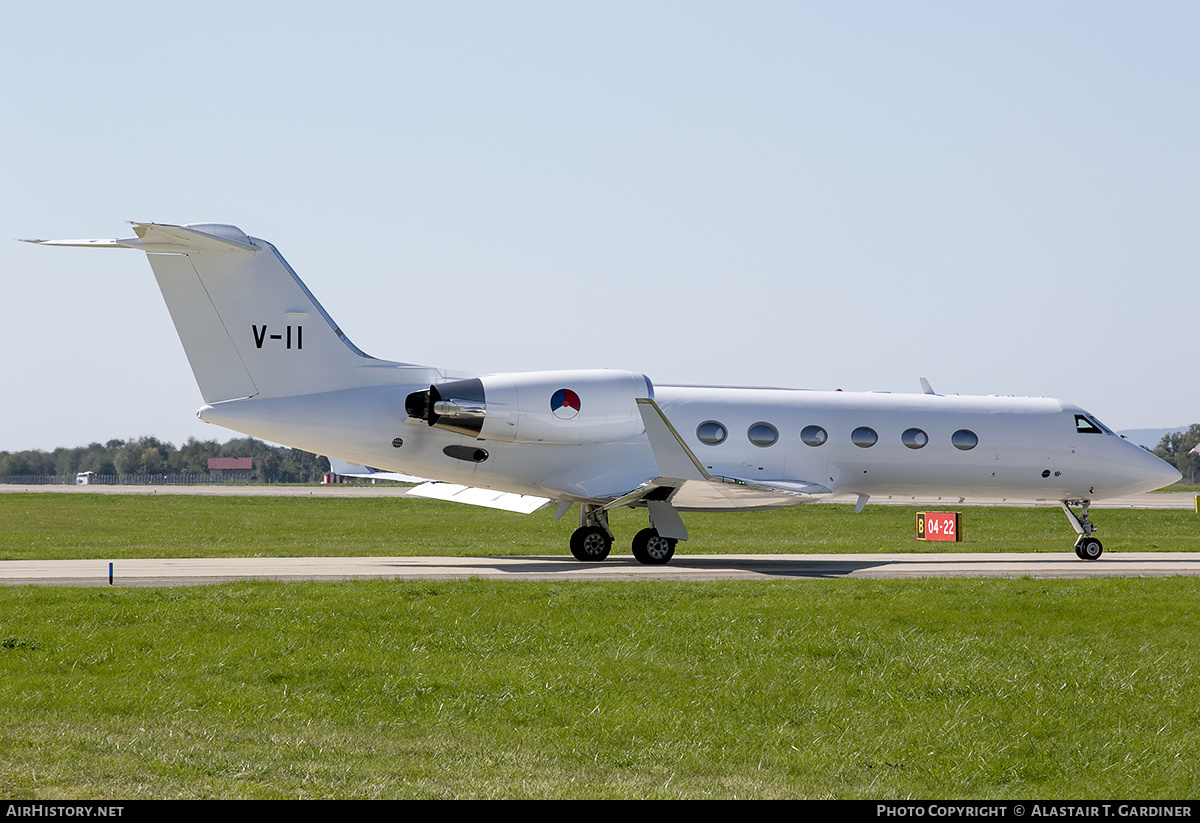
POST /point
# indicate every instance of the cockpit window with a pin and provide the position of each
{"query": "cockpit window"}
(1085, 425)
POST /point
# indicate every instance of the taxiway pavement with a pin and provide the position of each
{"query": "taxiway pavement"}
(201, 571)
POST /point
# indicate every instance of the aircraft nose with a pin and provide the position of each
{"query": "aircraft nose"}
(1157, 472)
(1167, 474)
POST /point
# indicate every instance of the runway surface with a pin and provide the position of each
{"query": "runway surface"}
(200, 571)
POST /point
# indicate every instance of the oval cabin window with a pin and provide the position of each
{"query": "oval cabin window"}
(864, 437)
(763, 434)
(711, 433)
(813, 435)
(964, 439)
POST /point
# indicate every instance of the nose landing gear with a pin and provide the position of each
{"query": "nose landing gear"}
(1086, 546)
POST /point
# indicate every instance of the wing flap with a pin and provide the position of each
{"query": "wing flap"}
(506, 501)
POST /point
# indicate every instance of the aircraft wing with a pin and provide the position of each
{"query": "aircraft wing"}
(686, 484)
(436, 490)
(507, 501)
(722, 493)
(351, 470)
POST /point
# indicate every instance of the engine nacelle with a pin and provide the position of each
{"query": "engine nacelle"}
(568, 407)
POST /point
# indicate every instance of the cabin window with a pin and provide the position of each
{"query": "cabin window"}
(763, 434)
(813, 435)
(964, 439)
(711, 433)
(914, 438)
(864, 437)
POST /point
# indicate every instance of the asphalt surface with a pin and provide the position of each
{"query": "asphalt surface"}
(199, 571)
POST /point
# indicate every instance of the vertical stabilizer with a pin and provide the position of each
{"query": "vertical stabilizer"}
(249, 326)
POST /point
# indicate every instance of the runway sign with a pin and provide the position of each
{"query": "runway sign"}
(938, 526)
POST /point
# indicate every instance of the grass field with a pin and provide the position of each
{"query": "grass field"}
(807, 688)
(45, 526)
(928, 689)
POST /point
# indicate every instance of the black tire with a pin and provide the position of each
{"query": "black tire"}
(590, 544)
(1089, 548)
(652, 549)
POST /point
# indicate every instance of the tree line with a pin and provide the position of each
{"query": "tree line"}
(276, 464)
(1177, 448)
(149, 455)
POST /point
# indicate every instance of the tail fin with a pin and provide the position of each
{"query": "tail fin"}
(249, 326)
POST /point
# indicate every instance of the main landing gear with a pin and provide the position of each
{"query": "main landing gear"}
(593, 540)
(651, 548)
(1086, 546)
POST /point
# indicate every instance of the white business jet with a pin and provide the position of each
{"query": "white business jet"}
(272, 364)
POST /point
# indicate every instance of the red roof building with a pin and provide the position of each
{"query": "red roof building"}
(236, 464)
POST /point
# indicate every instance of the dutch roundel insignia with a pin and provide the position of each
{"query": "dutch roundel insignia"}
(564, 404)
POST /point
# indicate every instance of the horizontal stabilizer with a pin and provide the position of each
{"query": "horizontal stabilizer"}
(507, 501)
(157, 238)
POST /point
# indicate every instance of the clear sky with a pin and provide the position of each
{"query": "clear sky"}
(1001, 197)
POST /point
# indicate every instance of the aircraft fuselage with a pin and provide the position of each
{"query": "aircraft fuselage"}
(859, 443)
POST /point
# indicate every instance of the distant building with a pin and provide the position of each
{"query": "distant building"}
(230, 468)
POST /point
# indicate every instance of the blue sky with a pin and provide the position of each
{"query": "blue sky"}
(1002, 198)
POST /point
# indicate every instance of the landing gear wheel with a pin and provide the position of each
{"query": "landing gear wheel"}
(591, 544)
(1088, 548)
(652, 549)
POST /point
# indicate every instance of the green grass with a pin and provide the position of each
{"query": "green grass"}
(45, 526)
(814, 688)
(881, 689)
(1066, 689)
